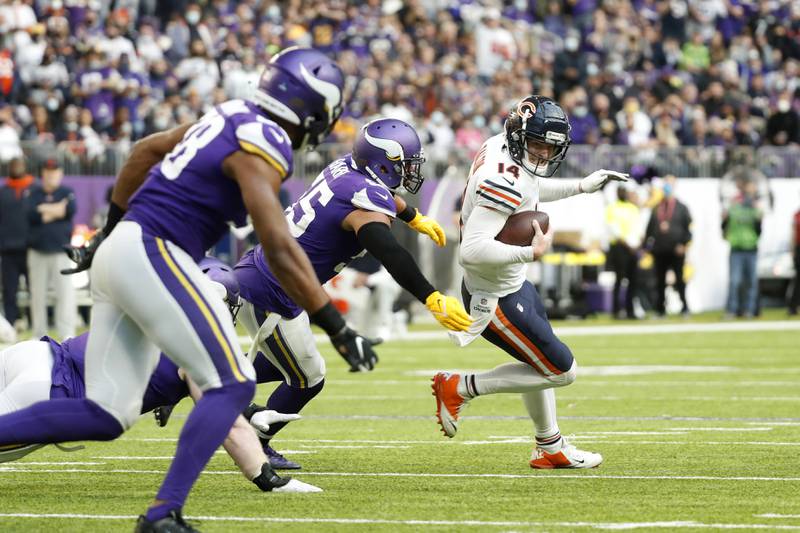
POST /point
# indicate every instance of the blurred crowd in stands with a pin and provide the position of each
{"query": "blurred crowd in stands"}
(643, 73)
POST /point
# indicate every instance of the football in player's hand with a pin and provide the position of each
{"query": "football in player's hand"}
(518, 230)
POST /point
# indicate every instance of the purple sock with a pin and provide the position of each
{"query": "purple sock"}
(59, 420)
(205, 430)
(158, 512)
(290, 400)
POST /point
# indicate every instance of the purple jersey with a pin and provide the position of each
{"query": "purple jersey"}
(98, 100)
(315, 220)
(187, 198)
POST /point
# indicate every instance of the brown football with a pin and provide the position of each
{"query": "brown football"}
(519, 227)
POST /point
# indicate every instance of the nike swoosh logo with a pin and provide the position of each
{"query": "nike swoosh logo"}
(383, 196)
(508, 180)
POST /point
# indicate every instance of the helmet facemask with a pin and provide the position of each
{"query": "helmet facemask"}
(543, 167)
(411, 171)
(234, 306)
(318, 128)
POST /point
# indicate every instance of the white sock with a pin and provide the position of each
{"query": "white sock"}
(508, 377)
(541, 406)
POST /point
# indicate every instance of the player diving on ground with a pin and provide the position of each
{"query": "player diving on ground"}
(34, 371)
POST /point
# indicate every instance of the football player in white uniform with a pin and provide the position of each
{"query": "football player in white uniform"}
(511, 174)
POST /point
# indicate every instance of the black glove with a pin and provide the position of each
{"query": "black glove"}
(83, 255)
(356, 350)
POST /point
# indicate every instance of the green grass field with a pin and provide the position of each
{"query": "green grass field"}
(698, 430)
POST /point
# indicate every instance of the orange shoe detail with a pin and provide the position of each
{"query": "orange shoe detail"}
(546, 461)
(448, 402)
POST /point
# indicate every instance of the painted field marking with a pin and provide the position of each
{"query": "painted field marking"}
(611, 370)
(54, 463)
(775, 515)
(352, 446)
(413, 522)
(537, 477)
(588, 331)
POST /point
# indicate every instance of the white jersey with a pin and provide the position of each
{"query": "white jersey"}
(497, 182)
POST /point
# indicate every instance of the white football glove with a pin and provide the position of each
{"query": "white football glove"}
(262, 420)
(541, 241)
(595, 181)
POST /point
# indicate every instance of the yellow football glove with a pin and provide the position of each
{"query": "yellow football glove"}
(428, 226)
(448, 311)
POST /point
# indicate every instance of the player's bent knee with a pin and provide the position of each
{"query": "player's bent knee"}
(566, 378)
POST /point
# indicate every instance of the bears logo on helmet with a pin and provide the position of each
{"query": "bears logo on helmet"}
(541, 120)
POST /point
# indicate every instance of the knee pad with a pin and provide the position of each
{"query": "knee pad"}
(566, 378)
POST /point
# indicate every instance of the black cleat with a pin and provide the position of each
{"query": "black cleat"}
(162, 414)
(172, 523)
(268, 479)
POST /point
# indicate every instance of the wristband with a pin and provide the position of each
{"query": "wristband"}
(115, 214)
(329, 319)
(407, 214)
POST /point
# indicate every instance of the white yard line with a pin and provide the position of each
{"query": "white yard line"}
(634, 329)
(774, 515)
(533, 476)
(413, 522)
(52, 463)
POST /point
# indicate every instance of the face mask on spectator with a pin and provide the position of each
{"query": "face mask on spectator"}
(161, 122)
(571, 43)
(580, 111)
(784, 106)
(193, 17)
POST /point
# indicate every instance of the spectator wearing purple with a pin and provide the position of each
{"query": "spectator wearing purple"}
(132, 88)
(95, 86)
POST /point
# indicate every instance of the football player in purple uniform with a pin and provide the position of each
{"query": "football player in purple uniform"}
(149, 293)
(34, 371)
(347, 210)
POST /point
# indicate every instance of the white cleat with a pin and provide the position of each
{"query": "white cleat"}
(567, 457)
(296, 485)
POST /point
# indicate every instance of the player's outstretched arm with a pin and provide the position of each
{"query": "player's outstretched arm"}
(259, 183)
(144, 154)
(597, 180)
(419, 222)
(372, 231)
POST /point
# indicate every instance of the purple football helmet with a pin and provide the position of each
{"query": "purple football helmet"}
(220, 272)
(303, 87)
(389, 150)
